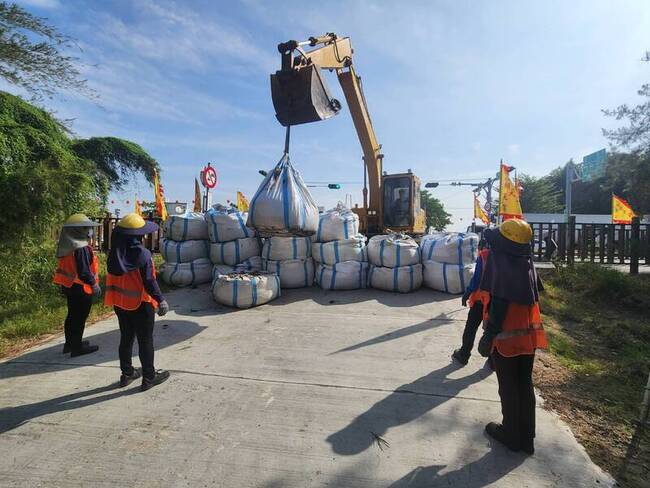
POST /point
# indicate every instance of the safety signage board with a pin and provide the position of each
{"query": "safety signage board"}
(593, 165)
(209, 177)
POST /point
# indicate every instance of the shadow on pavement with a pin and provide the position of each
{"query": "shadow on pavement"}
(167, 333)
(405, 404)
(488, 469)
(13, 417)
(437, 321)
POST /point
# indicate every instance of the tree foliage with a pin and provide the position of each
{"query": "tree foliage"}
(32, 54)
(46, 176)
(437, 217)
(540, 195)
(636, 135)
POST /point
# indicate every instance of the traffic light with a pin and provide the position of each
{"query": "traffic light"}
(334, 186)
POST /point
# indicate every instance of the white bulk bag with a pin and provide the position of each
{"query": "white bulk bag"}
(246, 290)
(404, 279)
(353, 249)
(393, 250)
(221, 269)
(254, 263)
(278, 248)
(283, 204)
(348, 275)
(450, 247)
(450, 278)
(234, 252)
(185, 227)
(293, 273)
(337, 224)
(227, 224)
(187, 274)
(183, 251)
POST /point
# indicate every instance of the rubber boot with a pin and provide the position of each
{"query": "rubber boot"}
(67, 348)
(460, 357)
(496, 431)
(84, 349)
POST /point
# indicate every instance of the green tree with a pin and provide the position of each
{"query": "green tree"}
(540, 195)
(636, 135)
(32, 55)
(45, 175)
(437, 217)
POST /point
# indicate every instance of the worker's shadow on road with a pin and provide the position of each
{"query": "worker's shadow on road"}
(405, 404)
(13, 417)
(167, 333)
(488, 469)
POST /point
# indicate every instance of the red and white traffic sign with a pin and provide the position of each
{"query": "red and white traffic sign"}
(209, 177)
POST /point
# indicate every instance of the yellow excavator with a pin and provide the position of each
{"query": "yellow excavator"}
(300, 95)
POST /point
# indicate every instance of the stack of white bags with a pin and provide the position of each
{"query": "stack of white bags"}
(448, 260)
(290, 258)
(340, 251)
(185, 250)
(395, 263)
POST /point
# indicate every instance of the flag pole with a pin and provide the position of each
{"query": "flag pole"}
(500, 191)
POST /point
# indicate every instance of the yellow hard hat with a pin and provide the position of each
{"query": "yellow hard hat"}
(516, 230)
(79, 220)
(134, 224)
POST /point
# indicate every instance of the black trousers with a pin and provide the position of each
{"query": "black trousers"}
(79, 304)
(474, 319)
(515, 376)
(137, 323)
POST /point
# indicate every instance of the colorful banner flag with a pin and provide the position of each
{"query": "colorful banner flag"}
(161, 210)
(242, 202)
(509, 206)
(138, 207)
(479, 213)
(622, 212)
(198, 199)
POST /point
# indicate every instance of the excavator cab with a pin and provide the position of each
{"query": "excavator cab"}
(299, 92)
(402, 209)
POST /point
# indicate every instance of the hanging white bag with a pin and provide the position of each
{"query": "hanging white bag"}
(282, 204)
(227, 224)
(234, 252)
(187, 274)
(279, 248)
(348, 275)
(404, 279)
(450, 247)
(393, 250)
(339, 223)
(293, 273)
(450, 278)
(183, 251)
(185, 227)
(246, 290)
(353, 249)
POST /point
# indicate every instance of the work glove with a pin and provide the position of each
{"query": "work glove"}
(163, 308)
(97, 290)
(465, 298)
(485, 344)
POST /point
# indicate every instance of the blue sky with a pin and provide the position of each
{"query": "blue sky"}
(452, 86)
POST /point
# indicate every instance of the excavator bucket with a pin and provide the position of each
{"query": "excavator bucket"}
(301, 96)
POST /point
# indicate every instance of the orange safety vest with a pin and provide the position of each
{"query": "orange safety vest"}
(127, 291)
(522, 331)
(479, 295)
(66, 272)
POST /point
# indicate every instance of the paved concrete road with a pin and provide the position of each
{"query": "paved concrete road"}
(347, 389)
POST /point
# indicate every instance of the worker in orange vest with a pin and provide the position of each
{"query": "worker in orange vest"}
(133, 291)
(77, 274)
(473, 296)
(513, 330)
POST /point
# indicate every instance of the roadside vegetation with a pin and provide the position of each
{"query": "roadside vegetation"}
(598, 361)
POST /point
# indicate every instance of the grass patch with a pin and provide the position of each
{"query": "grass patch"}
(599, 334)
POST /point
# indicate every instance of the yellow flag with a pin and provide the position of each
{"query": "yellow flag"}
(509, 206)
(622, 212)
(479, 213)
(161, 210)
(242, 202)
(198, 199)
(138, 207)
